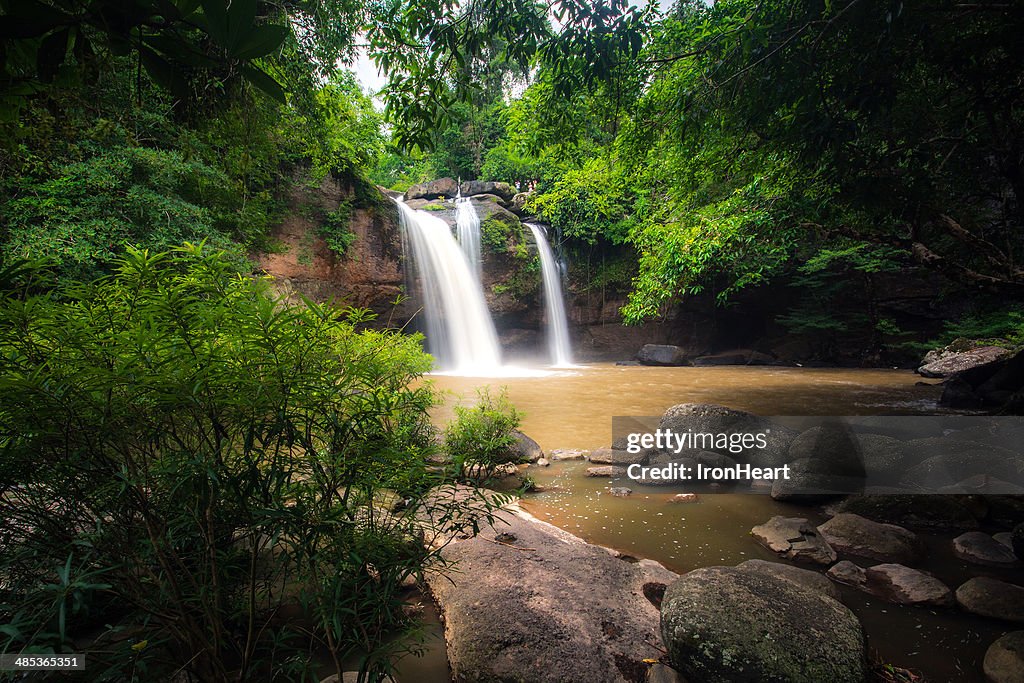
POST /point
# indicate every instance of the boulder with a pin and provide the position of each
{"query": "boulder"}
(724, 624)
(927, 512)
(805, 578)
(978, 547)
(794, 538)
(612, 456)
(661, 354)
(606, 471)
(952, 363)
(852, 534)
(490, 198)
(992, 598)
(475, 187)
(951, 468)
(883, 458)
(847, 573)
(518, 204)
(905, 586)
(1004, 659)
(547, 608)
(998, 383)
(716, 419)
(813, 480)
(567, 454)
(442, 187)
(526, 449)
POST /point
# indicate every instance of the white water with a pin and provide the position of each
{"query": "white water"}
(558, 326)
(460, 332)
(467, 227)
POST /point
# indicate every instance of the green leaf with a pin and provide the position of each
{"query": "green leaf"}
(265, 82)
(260, 41)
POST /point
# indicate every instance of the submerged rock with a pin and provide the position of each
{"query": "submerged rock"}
(1004, 659)
(855, 535)
(980, 548)
(794, 538)
(724, 624)
(606, 471)
(620, 491)
(992, 598)
(549, 608)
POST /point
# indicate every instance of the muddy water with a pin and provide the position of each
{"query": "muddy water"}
(574, 410)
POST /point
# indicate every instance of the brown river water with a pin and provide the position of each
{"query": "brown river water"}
(574, 408)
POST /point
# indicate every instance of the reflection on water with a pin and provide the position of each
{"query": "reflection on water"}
(574, 410)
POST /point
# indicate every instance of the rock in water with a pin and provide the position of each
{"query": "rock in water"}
(661, 354)
(992, 598)
(855, 535)
(905, 586)
(549, 610)
(716, 419)
(980, 548)
(525, 449)
(724, 624)
(794, 538)
(1004, 659)
(951, 363)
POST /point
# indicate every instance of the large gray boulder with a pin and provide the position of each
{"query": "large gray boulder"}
(949, 469)
(852, 534)
(442, 187)
(526, 449)
(795, 539)
(724, 624)
(804, 578)
(476, 187)
(992, 598)
(952, 362)
(1004, 659)
(715, 419)
(661, 354)
(541, 605)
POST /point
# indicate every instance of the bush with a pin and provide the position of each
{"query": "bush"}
(482, 436)
(184, 460)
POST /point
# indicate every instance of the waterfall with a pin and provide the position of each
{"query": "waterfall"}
(467, 227)
(558, 326)
(460, 332)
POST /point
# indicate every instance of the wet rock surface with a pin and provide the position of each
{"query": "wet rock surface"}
(1004, 659)
(978, 547)
(507, 617)
(852, 534)
(805, 578)
(992, 598)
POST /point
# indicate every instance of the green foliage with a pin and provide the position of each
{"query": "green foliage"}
(483, 435)
(997, 325)
(184, 459)
(334, 229)
(498, 232)
(587, 204)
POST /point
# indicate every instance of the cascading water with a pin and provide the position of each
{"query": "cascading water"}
(460, 333)
(558, 326)
(467, 227)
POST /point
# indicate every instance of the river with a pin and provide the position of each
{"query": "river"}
(574, 408)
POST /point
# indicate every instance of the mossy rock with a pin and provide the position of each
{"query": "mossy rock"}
(500, 229)
(723, 624)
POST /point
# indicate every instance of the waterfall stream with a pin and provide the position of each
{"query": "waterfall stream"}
(460, 332)
(467, 227)
(554, 303)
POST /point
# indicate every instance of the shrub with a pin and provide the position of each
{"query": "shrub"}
(182, 456)
(482, 436)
